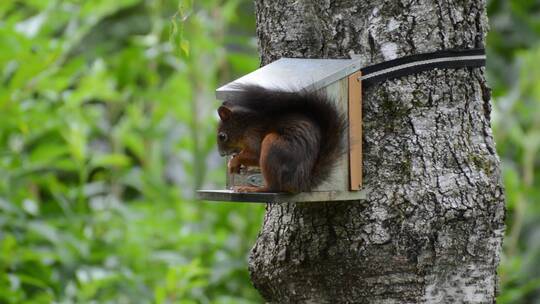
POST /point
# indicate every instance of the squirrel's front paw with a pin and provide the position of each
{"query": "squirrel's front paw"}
(234, 165)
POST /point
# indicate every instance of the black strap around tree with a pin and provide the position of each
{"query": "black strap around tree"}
(422, 62)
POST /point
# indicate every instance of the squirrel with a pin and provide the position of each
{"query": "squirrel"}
(294, 137)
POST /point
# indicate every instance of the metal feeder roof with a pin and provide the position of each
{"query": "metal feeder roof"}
(293, 74)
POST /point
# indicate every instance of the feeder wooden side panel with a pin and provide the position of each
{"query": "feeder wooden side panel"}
(339, 178)
(355, 130)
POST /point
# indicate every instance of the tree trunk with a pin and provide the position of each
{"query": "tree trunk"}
(432, 226)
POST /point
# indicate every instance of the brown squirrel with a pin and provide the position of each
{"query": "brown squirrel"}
(294, 137)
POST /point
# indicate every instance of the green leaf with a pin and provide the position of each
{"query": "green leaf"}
(111, 160)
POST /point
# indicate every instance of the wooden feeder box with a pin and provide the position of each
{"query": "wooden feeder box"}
(339, 80)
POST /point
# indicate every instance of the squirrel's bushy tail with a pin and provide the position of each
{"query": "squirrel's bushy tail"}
(314, 105)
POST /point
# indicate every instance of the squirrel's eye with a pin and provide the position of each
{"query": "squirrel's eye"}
(222, 136)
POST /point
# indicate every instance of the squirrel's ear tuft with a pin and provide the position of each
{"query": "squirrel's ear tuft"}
(224, 113)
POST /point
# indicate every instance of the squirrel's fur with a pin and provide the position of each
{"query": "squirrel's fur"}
(295, 137)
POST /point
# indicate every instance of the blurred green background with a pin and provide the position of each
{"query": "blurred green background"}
(107, 127)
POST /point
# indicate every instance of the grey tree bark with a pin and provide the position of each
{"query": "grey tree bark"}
(432, 226)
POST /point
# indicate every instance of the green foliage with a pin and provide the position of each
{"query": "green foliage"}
(514, 74)
(107, 127)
